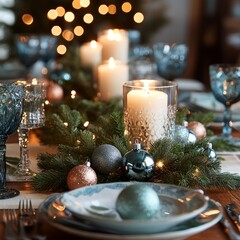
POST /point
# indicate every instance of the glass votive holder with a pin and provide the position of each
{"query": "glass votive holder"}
(149, 110)
(33, 105)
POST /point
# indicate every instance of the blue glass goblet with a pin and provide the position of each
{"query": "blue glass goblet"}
(11, 98)
(225, 85)
(171, 59)
(28, 47)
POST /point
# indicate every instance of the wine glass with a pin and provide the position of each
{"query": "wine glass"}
(36, 47)
(33, 117)
(11, 98)
(28, 47)
(225, 85)
(171, 59)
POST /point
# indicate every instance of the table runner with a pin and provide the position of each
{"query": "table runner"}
(230, 163)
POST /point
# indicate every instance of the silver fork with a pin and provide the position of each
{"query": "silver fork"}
(29, 216)
(14, 229)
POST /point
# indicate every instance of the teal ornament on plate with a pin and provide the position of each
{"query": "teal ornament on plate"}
(138, 201)
(138, 164)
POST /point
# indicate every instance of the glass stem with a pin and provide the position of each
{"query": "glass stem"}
(23, 137)
(227, 118)
(3, 140)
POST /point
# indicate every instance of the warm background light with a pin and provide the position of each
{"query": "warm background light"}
(138, 17)
(103, 9)
(61, 49)
(78, 30)
(52, 14)
(88, 18)
(76, 4)
(126, 7)
(56, 30)
(60, 11)
(112, 9)
(69, 16)
(85, 3)
(68, 35)
(27, 19)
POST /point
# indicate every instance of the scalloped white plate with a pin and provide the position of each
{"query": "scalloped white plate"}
(178, 204)
(59, 218)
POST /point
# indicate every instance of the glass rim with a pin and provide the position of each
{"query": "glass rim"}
(164, 84)
(229, 65)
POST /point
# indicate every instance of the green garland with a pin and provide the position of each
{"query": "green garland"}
(182, 164)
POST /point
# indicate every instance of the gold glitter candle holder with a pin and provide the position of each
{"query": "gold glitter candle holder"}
(149, 110)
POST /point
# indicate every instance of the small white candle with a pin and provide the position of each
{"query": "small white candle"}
(111, 77)
(150, 108)
(91, 54)
(115, 44)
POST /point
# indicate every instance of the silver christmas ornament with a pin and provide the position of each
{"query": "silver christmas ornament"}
(106, 159)
(138, 164)
(192, 137)
(211, 153)
(181, 134)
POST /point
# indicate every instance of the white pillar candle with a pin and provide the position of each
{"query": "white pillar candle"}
(91, 54)
(115, 44)
(148, 109)
(111, 77)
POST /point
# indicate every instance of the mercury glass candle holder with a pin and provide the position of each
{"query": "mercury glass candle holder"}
(149, 110)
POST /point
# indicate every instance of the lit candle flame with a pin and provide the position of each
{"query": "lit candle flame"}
(114, 35)
(111, 62)
(146, 86)
(34, 81)
(93, 44)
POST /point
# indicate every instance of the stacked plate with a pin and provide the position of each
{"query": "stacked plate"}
(90, 212)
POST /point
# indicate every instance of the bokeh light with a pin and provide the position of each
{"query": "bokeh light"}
(60, 11)
(126, 7)
(112, 9)
(138, 17)
(69, 16)
(85, 3)
(27, 19)
(78, 30)
(61, 49)
(68, 35)
(88, 18)
(56, 30)
(52, 14)
(103, 9)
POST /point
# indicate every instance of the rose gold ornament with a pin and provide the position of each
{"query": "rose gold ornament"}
(80, 176)
(54, 92)
(198, 128)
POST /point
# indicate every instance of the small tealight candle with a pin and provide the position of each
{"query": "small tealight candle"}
(111, 77)
(115, 44)
(91, 54)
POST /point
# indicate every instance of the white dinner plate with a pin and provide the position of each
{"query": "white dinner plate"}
(55, 215)
(178, 204)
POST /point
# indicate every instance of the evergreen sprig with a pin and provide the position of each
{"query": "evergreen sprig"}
(182, 164)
